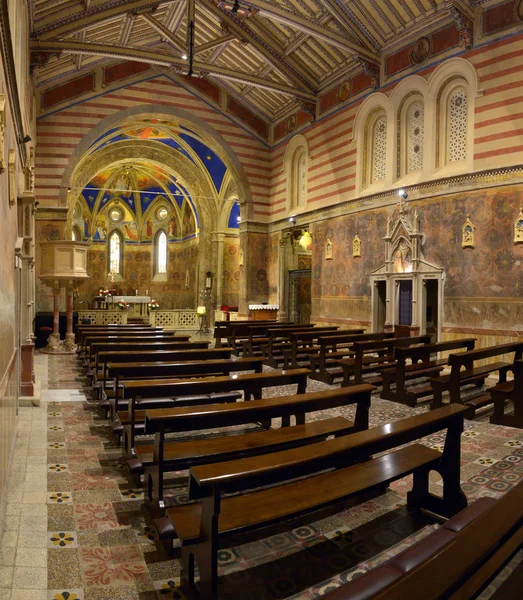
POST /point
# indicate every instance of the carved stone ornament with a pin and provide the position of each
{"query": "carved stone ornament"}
(328, 250)
(29, 175)
(467, 234)
(2, 133)
(12, 177)
(356, 247)
(518, 228)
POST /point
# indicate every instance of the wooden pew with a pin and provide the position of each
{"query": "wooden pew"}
(164, 456)
(202, 526)
(455, 562)
(224, 329)
(252, 386)
(81, 334)
(304, 343)
(148, 356)
(422, 364)
(249, 341)
(509, 390)
(324, 362)
(120, 372)
(134, 337)
(471, 374)
(277, 340)
(374, 355)
(98, 347)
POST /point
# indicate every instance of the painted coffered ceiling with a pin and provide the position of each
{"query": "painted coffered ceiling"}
(269, 54)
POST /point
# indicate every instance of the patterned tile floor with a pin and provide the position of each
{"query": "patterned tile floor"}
(76, 528)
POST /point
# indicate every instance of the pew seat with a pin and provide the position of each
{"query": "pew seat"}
(181, 454)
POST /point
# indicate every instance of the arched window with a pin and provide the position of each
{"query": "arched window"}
(115, 254)
(415, 121)
(376, 167)
(457, 125)
(296, 167)
(453, 110)
(161, 253)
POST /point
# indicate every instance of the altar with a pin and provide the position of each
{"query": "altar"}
(142, 301)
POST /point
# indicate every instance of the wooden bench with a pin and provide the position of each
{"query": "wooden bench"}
(138, 346)
(202, 526)
(82, 335)
(225, 329)
(173, 455)
(463, 372)
(509, 390)
(277, 340)
(324, 361)
(304, 343)
(422, 365)
(257, 336)
(84, 330)
(374, 355)
(120, 372)
(251, 384)
(455, 562)
(134, 337)
(148, 356)
(240, 331)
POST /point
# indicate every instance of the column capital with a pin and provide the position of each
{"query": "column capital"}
(217, 236)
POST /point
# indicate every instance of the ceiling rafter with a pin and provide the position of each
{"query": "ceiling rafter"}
(277, 13)
(344, 17)
(215, 43)
(163, 31)
(165, 60)
(266, 50)
(73, 20)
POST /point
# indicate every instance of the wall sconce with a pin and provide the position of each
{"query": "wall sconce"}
(402, 194)
(292, 220)
(208, 279)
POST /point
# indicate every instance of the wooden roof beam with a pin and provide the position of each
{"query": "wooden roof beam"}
(215, 43)
(163, 31)
(165, 60)
(267, 52)
(73, 20)
(343, 15)
(282, 15)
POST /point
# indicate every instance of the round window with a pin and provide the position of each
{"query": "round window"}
(162, 213)
(116, 215)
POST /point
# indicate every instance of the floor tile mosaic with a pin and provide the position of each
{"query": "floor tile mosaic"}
(79, 530)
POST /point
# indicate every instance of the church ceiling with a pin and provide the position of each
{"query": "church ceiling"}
(270, 55)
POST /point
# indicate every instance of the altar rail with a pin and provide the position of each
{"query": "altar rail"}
(103, 317)
(174, 319)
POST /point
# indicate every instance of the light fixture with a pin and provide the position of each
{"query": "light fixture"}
(292, 220)
(26, 139)
(238, 219)
(403, 194)
(236, 7)
(184, 56)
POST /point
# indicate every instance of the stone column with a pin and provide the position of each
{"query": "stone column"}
(218, 245)
(284, 249)
(54, 338)
(69, 336)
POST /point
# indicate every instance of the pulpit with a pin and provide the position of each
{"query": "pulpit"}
(64, 265)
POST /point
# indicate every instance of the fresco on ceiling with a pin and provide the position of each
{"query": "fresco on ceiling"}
(173, 135)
